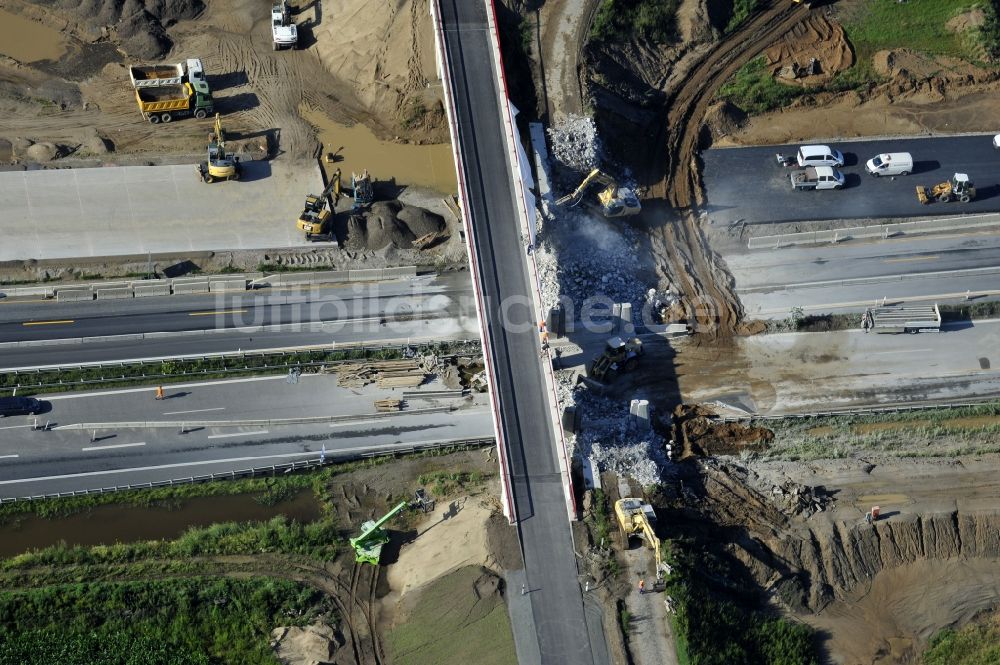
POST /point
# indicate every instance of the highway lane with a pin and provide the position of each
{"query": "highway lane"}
(747, 183)
(559, 624)
(420, 297)
(851, 276)
(63, 458)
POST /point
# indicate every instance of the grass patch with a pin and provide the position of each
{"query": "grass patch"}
(457, 619)
(918, 25)
(754, 90)
(741, 10)
(448, 483)
(977, 644)
(714, 622)
(174, 371)
(180, 622)
(622, 20)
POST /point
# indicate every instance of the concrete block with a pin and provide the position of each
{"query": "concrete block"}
(187, 280)
(591, 474)
(99, 286)
(227, 276)
(638, 410)
(145, 289)
(625, 326)
(191, 287)
(329, 276)
(400, 272)
(365, 275)
(117, 293)
(291, 278)
(74, 295)
(228, 285)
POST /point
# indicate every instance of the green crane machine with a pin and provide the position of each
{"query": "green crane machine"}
(368, 546)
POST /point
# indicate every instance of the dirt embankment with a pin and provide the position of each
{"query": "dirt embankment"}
(800, 532)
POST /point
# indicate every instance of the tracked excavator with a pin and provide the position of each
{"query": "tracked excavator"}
(317, 217)
(220, 165)
(637, 518)
(364, 191)
(614, 201)
(368, 546)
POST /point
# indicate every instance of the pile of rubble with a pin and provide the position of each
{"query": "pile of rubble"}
(796, 499)
(574, 143)
(614, 440)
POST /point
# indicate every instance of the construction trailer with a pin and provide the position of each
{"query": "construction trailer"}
(368, 545)
(902, 319)
(613, 201)
(637, 518)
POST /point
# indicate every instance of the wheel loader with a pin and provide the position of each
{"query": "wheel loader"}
(959, 188)
(619, 356)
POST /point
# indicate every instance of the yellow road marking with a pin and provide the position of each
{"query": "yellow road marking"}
(911, 258)
(221, 311)
(47, 323)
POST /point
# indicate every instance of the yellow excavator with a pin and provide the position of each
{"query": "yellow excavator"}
(220, 165)
(614, 201)
(959, 188)
(317, 216)
(637, 518)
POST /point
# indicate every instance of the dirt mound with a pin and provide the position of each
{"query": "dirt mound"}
(815, 38)
(722, 119)
(907, 64)
(42, 152)
(137, 27)
(966, 20)
(313, 645)
(702, 436)
(393, 224)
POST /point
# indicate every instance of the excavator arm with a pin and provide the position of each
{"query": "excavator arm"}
(595, 176)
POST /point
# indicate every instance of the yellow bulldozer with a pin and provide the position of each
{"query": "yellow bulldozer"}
(959, 188)
(619, 356)
(220, 165)
(637, 518)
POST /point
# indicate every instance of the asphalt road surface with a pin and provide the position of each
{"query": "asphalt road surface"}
(63, 459)
(425, 308)
(133, 210)
(558, 623)
(747, 183)
(852, 275)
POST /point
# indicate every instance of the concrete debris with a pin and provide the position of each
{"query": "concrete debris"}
(795, 499)
(611, 440)
(575, 144)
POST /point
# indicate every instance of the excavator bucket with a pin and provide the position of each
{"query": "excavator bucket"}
(923, 195)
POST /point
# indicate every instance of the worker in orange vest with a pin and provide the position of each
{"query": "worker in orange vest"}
(159, 392)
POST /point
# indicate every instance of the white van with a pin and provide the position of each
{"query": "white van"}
(818, 155)
(890, 163)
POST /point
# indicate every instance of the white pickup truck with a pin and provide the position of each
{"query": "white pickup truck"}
(284, 34)
(817, 177)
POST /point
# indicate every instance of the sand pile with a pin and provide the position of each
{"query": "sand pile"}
(311, 645)
(394, 224)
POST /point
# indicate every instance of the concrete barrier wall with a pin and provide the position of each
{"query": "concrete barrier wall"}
(227, 285)
(145, 289)
(190, 287)
(74, 295)
(365, 275)
(116, 293)
(404, 271)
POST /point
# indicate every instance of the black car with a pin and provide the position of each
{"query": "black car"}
(19, 406)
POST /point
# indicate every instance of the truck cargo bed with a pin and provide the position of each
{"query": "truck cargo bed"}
(163, 94)
(899, 318)
(152, 76)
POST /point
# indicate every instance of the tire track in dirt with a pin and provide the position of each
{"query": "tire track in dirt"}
(675, 177)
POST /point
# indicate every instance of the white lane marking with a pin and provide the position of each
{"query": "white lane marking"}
(173, 386)
(117, 445)
(224, 436)
(885, 353)
(353, 422)
(8, 456)
(229, 460)
(177, 413)
(15, 426)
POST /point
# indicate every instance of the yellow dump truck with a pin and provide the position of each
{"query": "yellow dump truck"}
(164, 103)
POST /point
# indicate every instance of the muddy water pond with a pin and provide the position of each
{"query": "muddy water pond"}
(106, 525)
(29, 41)
(357, 148)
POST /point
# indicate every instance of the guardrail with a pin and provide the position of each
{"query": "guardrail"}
(74, 292)
(856, 412)
(833, 236)
(331, 456)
